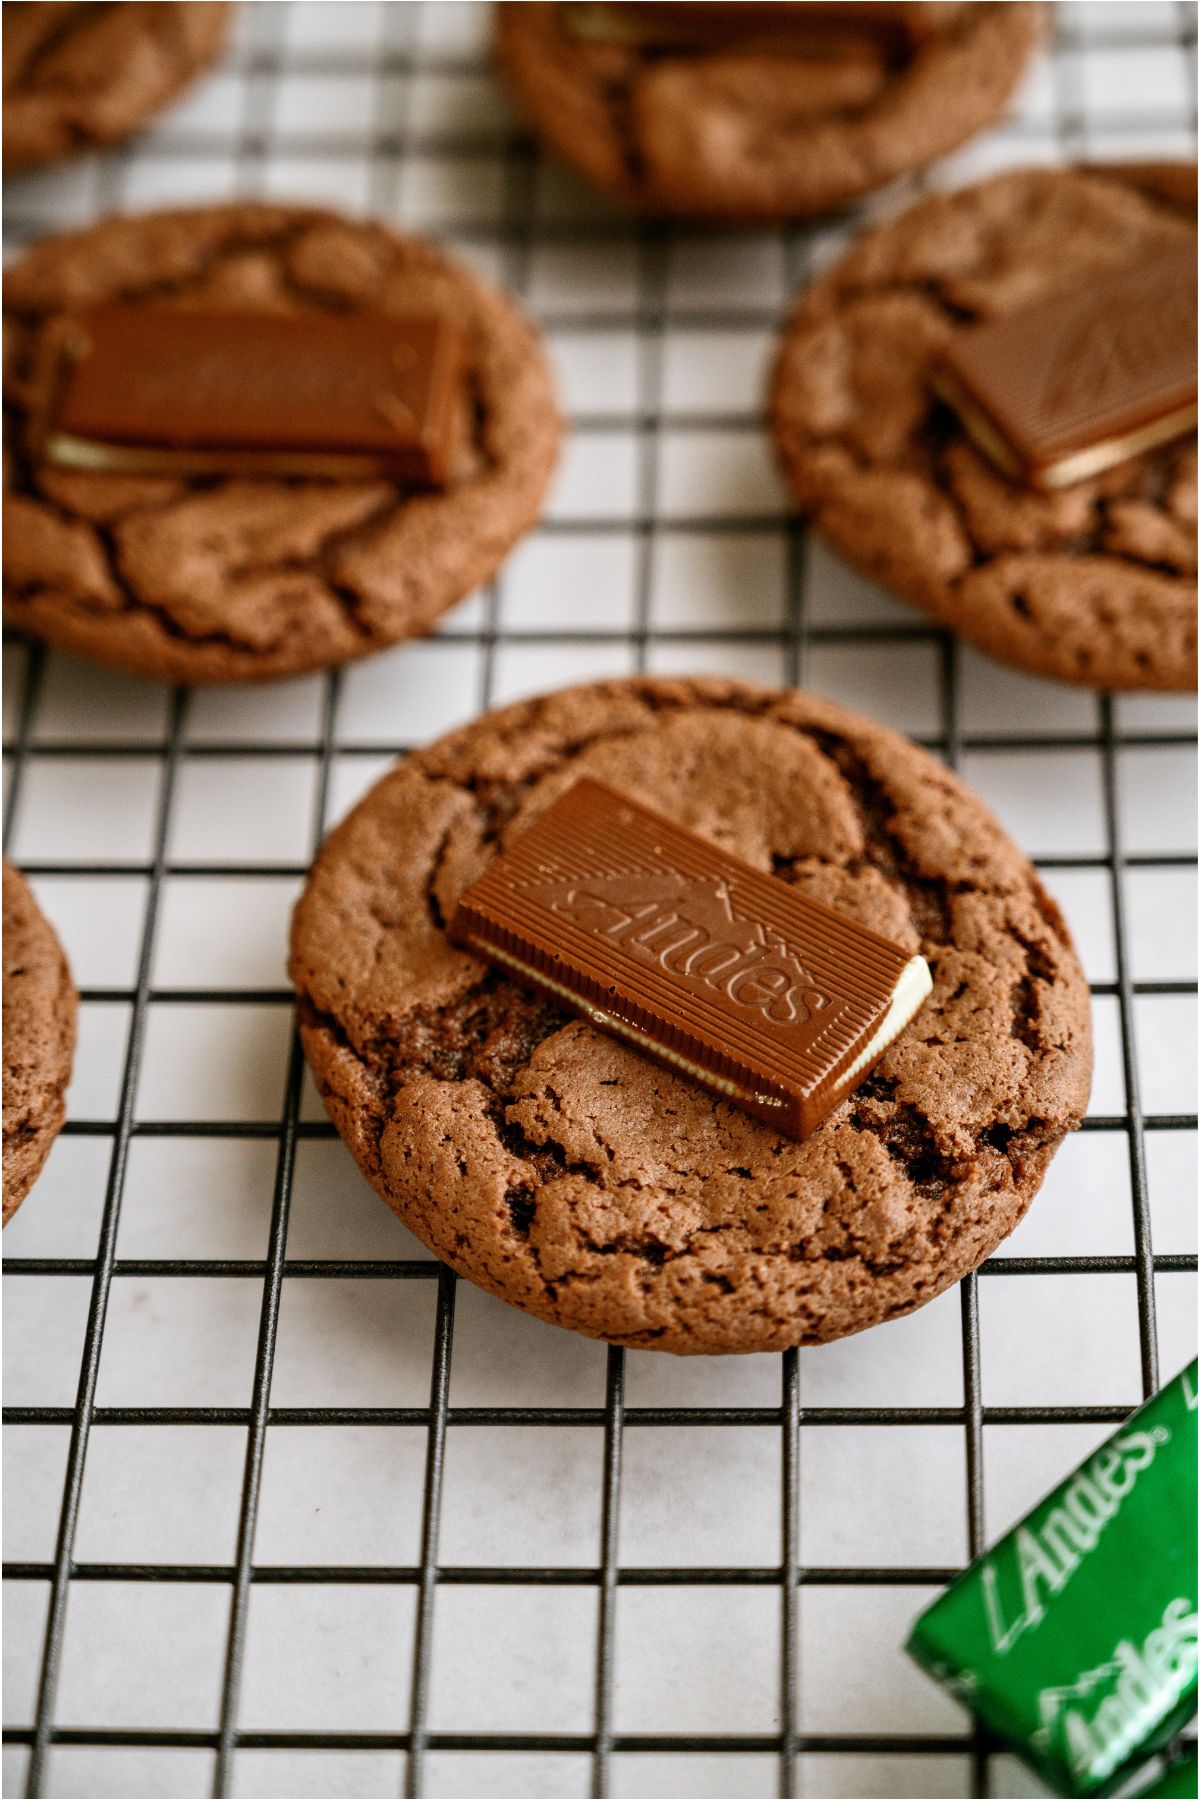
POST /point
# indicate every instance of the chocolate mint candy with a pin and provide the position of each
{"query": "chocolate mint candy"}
(728, 975)
(183, 390)
(1083, 379)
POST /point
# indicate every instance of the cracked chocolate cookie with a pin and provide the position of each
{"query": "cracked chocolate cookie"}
(229, 578)
(1094, 582)
(40, 1005)
(746, 132)
(579, 1180)
(79, 76)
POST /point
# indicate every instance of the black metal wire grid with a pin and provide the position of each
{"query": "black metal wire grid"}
(266, 62)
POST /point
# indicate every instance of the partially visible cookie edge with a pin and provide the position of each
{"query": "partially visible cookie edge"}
(23, 1162)
(18, 159)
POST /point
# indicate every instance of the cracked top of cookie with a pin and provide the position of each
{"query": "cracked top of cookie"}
(77, 74)
(577, 1179)
(739, 134)
(202, 578)
(1092, 583)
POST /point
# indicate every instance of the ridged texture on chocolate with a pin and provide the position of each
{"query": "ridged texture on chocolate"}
(40, 1006)
(742, 981)
(182, 390)
(574, 1177)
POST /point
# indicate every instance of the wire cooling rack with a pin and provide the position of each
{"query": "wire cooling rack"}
(288, 1510)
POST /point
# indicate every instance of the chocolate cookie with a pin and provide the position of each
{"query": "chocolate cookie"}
(224, 578)
(40, 1005)
(574, 1177)
(1092, 583)
(760, 133)
(78, 76)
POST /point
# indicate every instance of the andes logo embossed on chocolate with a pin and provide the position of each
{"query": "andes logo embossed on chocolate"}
(1080, 381)
(687, 926)
(728, 976)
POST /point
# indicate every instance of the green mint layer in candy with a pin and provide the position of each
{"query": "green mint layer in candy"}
(1074, 1637)
(1176, 1782)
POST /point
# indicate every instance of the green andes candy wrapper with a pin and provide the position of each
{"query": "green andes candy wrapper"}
(1177, 1781)
(1074, 1638)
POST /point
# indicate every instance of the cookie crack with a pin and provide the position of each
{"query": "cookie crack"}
(928, 897)
(498, 801)
(158, 25)
(1026, 991)
(619, 91)
(57, 33)
(135, 602)
(278, 241)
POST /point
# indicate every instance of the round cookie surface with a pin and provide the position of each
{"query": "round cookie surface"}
(1093, 583)
(79, 76)
(233, 579)
(40, 1006)
(741, 135)
(574, 1177)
